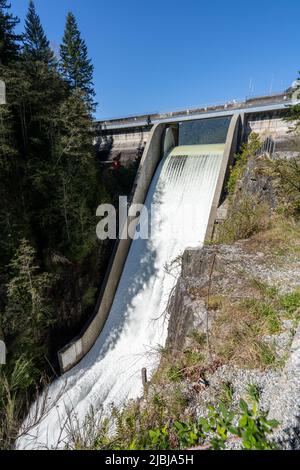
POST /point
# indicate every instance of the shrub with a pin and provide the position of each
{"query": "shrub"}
(249, 149)
(174, 373)
(290, 302)
(287, 171)
(246, 217)
(15, 382)
(88, 298)
(252, 430)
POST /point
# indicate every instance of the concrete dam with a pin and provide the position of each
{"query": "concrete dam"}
(181, 174)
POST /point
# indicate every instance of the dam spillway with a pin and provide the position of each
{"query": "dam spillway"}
(181, 193)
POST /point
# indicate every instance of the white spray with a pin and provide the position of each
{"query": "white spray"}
(181, 191)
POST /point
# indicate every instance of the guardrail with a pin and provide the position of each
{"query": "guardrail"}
(195, 109)
(268, 147)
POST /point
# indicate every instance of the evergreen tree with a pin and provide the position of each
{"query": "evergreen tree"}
(9, 46)
(75, 65)
(28, 312)
(50, 187)
(76, 171)
(293, 112)
(36, 44)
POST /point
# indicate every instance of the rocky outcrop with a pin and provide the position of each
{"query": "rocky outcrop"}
(230, 270)
(257, 183)
(187, 313)
(258, 269)
(285, 406)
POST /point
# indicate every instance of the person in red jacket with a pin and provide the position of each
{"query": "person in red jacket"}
(116, 162)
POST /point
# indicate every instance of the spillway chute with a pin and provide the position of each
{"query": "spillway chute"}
(180, 199)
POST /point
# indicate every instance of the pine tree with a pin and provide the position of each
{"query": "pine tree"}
(36, 44)
(28, 312)
(75, 65)
(75, 172)
(9, 46)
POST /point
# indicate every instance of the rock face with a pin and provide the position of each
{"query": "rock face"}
(285, 406)
(223, 269)
(185, 312)
(258, 184)
(231, 272)
(221, 266)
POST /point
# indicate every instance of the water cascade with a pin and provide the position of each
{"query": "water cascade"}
(180, 194)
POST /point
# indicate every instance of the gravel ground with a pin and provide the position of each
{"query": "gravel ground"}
(285, 406)
(279, 390)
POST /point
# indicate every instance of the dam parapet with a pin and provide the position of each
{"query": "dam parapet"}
(127, 137)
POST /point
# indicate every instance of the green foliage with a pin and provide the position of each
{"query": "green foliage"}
(287, 173)
(9, 40)
(36, 44)
(253, 392)
(28, 311)
(248, 150)
(290, 303)
(188, 433)
(159, 439)
(119, 181)
(174, 373)
(250, 214)
(252, 428)
(293, 116)
(16, 379)
(192, 358)
(247, 217)
(293, 112)
(267, 291)
(248, 426)
(88, 298)
(266, 312)
(50, 186)
(226, 394)
(75, 65)
(239, 331)
(73, 205)
(198, 337)
(267, 354)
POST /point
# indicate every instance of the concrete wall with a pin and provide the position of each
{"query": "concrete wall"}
(159, 141)
(76, 350)
(170, 139)
(127, 144)
(268, 125)
(251, 102)
(231, 147)
(127, 141)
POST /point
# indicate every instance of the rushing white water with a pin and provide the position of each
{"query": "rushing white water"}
(181, 193)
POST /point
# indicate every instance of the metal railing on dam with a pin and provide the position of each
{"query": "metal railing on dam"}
(264, 103)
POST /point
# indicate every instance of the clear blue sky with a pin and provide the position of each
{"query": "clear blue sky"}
(159, 55)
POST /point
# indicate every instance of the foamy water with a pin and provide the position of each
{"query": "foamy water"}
(181, 192)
